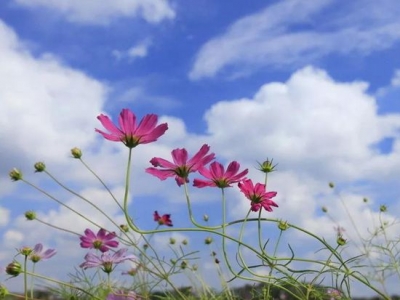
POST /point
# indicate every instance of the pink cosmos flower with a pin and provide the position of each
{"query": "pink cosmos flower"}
(106, 261)
(129, 132)
(181, 166)
(164, 220)
(121, 295)
(257, 194)
(218, 177)
(101, 241)
(38, 254)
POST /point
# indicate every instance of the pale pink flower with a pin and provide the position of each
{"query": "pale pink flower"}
(218, 177)
(38, 254)
(101, 241)
(121, 295)
(129, 132)
(106, 261)
(258, 195)
(181, 165)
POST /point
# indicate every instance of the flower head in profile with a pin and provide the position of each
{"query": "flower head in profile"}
(101, 241)
(181, 165)
(121, 295)
(106, 261)
(131, 133)
(163, 220)
(38, 254)
(218, 177)
(257, 194)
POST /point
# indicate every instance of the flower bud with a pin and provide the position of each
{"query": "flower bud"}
(173, 261)
(145, 246)
(185, 242)
(283, 225)
(124, 227)
(15, 174)
(172, 241)
(216, 261)
(267, 166)
(30, 215)
(76, 152)
(14, 268)
(341, 241)
(25, 251)
(39, 167)
(184, 264)
(324, 209)
(331, 185)
(3, 292)
(195, 267)
(365, 200)
(208, 240)
(205, 218)
(383, 208)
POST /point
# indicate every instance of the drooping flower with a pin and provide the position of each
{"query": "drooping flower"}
(164, 220)
(101, 241)
(106, 261)
(129, 132)
(181, 166)
(258, 195)
(38, 254)
(121, 295)
(218, 177)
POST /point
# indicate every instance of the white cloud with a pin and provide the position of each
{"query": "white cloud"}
(103, 12)
(396, 78)
(271, 38)
(47, 107)
(138, 51)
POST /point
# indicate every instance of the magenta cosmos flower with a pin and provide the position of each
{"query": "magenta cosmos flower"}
(106, 261)
(257, 194)
(163, 220)
(129, 132)
(101, 241)
(181, 166)
(218, 177)
(38, 254)
(121, 295)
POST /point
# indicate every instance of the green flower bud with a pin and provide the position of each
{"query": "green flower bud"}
(185, 242)
(3, 292)
(173, 261)
(14, 268)
(172, 241)
(30, 215)
(76, 152)
(195, 267)
(184, 264)
(383, 208)
(145, 246)
(331, 185)
(365, 200)
(324, 209)
(25, 251)
(208, 240)
(283, 225)
(205, 218)
(39, 167)
(267, 166)
(216, 261)
(341, 241)
(124, 227)
(15, 174)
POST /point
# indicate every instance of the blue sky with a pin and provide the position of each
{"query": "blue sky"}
(315, 85)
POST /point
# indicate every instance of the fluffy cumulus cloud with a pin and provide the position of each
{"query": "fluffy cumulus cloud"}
(292, 32)
(41, 99)
(102, 12)
(310, 124)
